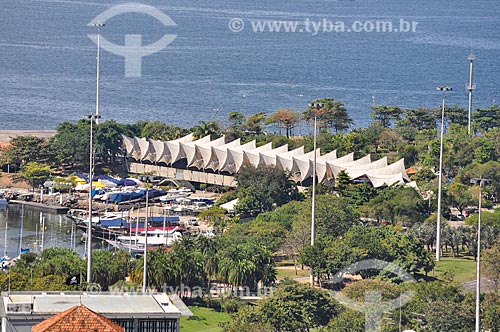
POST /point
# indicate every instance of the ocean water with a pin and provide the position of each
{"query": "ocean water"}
(47, 62)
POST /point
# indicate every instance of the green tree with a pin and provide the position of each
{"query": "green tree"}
(215, 216)
(109, 267)
(488, 118)
(264, 188)
(206, 128)
(296, 307)
(332, 115)
(284, 118)
(386, 115)
(108, 141)
(162, 132)
(292, 307)
(71, 143)
(254, 123)
(36, 173)
(25, 149)
(396, 204)
(491, 265)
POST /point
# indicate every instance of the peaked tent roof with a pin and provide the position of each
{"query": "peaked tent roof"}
(235, 156)
(188, 149)
(78, 318)
(203, 152)
(268, 158)
(229, 157)
(251, 157)
(220, 154)
(173, 149)
(284, 161)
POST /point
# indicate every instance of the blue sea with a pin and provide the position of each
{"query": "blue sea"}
(48, 63)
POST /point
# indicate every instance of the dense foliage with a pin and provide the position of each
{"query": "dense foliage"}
(353, 220)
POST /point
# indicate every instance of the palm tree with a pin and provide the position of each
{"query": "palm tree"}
(208, 249)
(187, 262)
(205, 128)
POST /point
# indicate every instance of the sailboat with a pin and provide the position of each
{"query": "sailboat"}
(21, 250)
(5, 258)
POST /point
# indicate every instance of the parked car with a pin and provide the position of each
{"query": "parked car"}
(193, 222)
(470, 211)
(457, 217)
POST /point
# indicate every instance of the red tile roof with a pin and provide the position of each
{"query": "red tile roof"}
(78, 318)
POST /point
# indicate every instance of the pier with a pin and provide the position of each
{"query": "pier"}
(58, 209)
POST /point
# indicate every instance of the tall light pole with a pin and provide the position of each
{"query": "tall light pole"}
(245, 106)
(91, 117)
(479, 181)
(145, 253)
(98, 25)
(316, 107)
(440, 178)
(471, 88)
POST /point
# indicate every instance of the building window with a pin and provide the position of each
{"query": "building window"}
(128, 324)
(163, 325)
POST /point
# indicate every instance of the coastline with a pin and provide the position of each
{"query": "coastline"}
(7, 135)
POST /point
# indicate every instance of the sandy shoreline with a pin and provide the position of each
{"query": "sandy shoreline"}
(7, 135)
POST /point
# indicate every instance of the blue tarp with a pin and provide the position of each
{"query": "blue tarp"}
(108, 178)
(113, 222)
(126, 182)
(153, 193)
(126, 196)
(160, 219)
(129, 196)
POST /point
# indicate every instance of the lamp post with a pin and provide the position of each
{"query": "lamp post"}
(145, 253)
(440, 178)
(470, 88)
(91, 117)
(98, 26)
(316, 106)
(479, 181)
(245, 106)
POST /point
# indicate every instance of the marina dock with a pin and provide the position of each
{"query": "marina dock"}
(58, 209)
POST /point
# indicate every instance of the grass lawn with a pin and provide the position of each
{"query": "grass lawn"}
(463, 268)
(204, 320)
(289, 272)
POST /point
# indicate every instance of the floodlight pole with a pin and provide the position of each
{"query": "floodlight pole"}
(145, 267)
(481, 181)
(316, 107)
(98, 25)
(244, 106)
(440, 178)
(91, 117)
(470, 88)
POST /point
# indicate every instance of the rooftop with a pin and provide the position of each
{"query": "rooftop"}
(109, 304)
(78, 318)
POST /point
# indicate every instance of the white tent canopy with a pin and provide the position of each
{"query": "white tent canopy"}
(188, 149)
(234, 157)
(219, 156)
(203, 152)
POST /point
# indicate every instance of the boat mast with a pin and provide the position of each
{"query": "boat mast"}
(21, 230)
